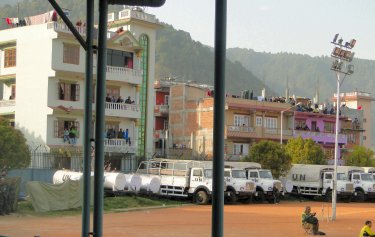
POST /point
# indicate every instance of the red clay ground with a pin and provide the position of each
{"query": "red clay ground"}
(192, 221)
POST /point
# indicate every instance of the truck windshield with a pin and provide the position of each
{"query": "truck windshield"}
(239, 174)
(341, 176)
(265, 174)
(208, 173)
(367, 177)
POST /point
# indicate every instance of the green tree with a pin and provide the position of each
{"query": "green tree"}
(14, 151)
(305, 151)
(360, 156)
(270, 155)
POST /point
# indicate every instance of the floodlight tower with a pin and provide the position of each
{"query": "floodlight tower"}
(342, 57)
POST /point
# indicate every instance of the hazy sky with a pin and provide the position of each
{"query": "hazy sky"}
(296, 26)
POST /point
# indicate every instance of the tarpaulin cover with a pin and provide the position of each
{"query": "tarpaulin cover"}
(52, 197)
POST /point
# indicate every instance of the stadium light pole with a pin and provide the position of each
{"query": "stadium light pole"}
(342, 58)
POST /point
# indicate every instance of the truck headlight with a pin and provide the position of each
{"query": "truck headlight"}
(270, 188)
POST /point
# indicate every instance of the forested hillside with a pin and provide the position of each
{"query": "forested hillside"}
(179, 56)
(304, 73)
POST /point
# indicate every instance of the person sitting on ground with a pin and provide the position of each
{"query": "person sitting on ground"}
(309, 219)
(366, 230)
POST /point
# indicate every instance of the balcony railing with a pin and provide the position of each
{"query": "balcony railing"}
(121, 106)
(128, 13)
(119, 145)
(240, 129)
(161, 109)
(320, 136)
(7, 103)
(124, 74)
(62, 27)
(7, 106)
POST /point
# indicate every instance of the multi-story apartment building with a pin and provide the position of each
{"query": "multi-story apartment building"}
(42, 73)
(248, 121)
(358, 100)
(161, 113)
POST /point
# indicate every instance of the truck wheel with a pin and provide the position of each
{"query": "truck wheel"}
(201, 197)
(259, 198)
(360, 197)
(231, 198)
(328, 196)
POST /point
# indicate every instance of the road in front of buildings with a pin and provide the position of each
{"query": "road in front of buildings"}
(276, 220)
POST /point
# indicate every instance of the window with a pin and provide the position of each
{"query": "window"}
(240, 149)
(69, 91)
(197, 173)
(10, 57)
(253, 174)
(258, 121)
(300, 124)
(60, 125)
(119, 58)
(226, 173)
(328, 127)
(328, 176)
(241, 120)
(364, 137)
(270, 123)
(71, 54)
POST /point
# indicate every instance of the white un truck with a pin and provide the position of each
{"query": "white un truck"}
(267, 188)
(364, 183)
(317, 180)
(186, 178)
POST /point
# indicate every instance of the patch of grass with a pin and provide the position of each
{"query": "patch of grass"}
(116, 203)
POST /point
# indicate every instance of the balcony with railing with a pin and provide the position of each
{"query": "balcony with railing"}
(321, 137)
(140, 15)
(124, 74)
(122, 110)
(120, 146)
(240, 131)
(161, 110)
(7, 107)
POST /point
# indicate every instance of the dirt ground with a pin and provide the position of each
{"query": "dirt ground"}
(192, 221)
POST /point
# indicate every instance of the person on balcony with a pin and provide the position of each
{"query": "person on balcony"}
(129, 101)
(126, 137)
(73, 135)
(66, 135)
(120, 133)
(119, 100)
(108, 98)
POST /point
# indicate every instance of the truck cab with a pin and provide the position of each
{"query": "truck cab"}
(267, 188)
(238, 186)
(364, 185)
(345, 188)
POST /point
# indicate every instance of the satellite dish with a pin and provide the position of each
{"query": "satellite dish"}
(288, 186)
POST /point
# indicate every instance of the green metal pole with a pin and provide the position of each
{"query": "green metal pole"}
(100, 119)
(88, 117)
(219, 119)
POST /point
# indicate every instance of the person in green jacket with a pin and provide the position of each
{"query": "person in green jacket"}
(308, 217)
(366, 230)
